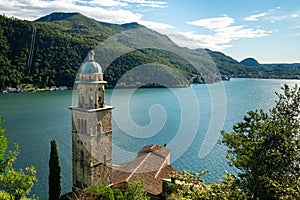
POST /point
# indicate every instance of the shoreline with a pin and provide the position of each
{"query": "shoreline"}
(61, 88)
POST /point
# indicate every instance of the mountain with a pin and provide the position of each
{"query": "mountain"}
(256, 70)
(250, 62)
(227, 66)
(56, 16)
(50, 50)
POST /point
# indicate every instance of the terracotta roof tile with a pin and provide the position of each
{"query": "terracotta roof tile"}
(150, 165)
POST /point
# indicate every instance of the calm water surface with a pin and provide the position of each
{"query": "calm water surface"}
(175, 117)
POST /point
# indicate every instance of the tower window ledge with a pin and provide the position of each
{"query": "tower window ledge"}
(90, 82)
(90, 109)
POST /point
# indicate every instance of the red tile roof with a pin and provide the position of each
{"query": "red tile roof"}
(151, 165)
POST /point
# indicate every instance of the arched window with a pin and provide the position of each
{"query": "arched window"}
(78, 126)
(84, 126)
(104, 160)
(82, 99)
(81, 126)
(81, 159)
(91, 101)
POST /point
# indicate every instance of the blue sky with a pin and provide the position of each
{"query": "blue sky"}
(268, 30)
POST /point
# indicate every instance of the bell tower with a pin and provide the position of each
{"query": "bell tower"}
(91, 129)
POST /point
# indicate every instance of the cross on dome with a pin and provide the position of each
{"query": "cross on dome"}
(91, 55)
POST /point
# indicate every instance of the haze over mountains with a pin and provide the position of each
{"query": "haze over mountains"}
(50, 50)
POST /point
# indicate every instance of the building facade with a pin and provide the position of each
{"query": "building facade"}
(91, 129)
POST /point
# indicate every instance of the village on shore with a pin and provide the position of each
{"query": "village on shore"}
(31, 88)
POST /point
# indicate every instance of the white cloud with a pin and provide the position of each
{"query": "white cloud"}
(147, 3)
(112, 11)
(277, 18)
(260, 15)
(238, 32)
(224, 32)
(118, 16)
(160, 27)
(108, 3)
(255, 17)
(294, 15)
(219, 41)
(33, 9)
(272, 16)
(213, 23)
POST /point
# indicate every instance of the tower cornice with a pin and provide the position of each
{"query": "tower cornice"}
(91, 110)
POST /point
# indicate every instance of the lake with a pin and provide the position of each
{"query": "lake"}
(188, 120)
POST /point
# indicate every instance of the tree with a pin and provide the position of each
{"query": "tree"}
(118, 195)
(100, 192)
(135, 191)
(265, 148)
(16, 183)
(132, 191)
(189, 185)
(54, 173)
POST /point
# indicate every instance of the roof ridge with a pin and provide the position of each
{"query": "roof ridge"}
(132, 173)
(159, 170)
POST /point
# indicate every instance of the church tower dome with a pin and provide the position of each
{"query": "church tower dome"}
(91, 66)
(90, 84)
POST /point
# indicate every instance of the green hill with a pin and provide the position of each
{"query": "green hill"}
(257, 70)
(250, 62)
(50, 50)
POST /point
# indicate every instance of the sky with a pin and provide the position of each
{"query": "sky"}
(267, 30)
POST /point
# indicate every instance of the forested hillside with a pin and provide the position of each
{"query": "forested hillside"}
(38, 53)
(50, 50)
(287, 71)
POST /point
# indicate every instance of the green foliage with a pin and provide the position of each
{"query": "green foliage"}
(286, 71)
(189, 185)
(118, 195)
(55, 57)
(16, 183)
(3, 146)
(54, 173)
(135, 191)
(5, 196)
(100, 192)
(132, 191)
(265, 147)
(227, 65)
(160, 69)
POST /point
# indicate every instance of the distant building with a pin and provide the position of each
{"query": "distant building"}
(92, 141)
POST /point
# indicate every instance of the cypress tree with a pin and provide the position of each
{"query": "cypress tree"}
(54, 173)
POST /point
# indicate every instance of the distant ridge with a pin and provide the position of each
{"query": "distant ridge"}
(250, 62)
(56, 16)
(131, 25)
